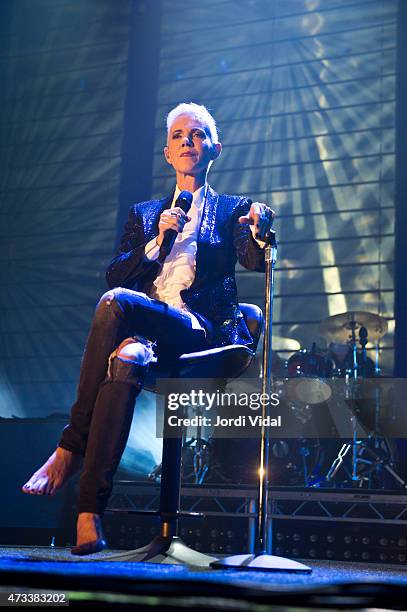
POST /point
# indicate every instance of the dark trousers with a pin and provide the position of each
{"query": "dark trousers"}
(102, 414)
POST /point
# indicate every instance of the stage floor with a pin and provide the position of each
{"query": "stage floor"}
(95, 578)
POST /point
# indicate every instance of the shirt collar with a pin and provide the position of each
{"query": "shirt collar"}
(198, 196)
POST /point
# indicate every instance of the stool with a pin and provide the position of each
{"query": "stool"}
(217, 363)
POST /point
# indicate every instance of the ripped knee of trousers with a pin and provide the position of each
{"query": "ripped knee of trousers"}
(129, 362)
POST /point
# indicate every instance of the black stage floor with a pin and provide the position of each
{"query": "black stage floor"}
(331, 585)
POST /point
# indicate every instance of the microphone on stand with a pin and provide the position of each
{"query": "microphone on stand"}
(184, 201)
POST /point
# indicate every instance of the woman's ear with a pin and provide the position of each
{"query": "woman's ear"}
(216, 150)
(166, 152)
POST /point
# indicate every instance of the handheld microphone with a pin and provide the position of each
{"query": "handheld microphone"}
(184, 201)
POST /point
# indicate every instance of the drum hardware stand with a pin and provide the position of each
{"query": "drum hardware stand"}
(359, 446)
(386, 462)
(305, 452)
(200, 449)
(261, 560)
(376, 463)
(355, 446)
(155, 473)
(310, 472)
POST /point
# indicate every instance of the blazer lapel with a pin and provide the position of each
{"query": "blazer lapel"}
(206, 235)
(207, 225)
(151, 220)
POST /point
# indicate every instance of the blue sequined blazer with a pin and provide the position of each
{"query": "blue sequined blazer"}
(222, 241)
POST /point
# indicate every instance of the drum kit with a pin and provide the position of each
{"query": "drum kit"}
(362, 461)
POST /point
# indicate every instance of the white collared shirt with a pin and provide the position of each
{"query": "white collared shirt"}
(178, 270)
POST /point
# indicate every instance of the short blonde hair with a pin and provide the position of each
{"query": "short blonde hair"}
(199, 112)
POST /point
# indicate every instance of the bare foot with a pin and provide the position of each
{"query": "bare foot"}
(55, 472)
(88, 528)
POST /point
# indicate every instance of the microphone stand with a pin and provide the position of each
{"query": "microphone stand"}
(261, 560)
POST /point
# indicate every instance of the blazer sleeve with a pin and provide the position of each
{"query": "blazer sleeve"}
(130, 267)
(248, 251)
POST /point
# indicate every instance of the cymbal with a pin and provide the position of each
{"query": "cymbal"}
(338, 328)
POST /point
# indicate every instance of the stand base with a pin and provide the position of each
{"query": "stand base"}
(164, 549)
(263, 563)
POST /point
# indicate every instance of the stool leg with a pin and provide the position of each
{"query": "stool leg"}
(170, 485)
(170, 489)
(167, 547)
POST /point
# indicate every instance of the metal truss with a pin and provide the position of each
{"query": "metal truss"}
(304, 504)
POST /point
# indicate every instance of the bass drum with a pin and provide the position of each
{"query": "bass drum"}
(293, 462)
